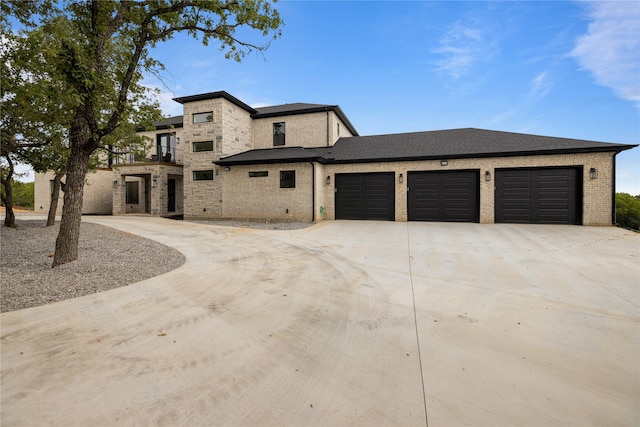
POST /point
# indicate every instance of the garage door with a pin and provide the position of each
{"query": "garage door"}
(365, 196)
(539, 196)
(443, 196)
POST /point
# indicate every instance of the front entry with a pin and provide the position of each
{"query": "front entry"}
(171, 195)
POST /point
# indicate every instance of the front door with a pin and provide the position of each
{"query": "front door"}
(171, 195)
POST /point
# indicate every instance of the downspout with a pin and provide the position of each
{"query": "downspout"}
(313, 191)
(613, 188)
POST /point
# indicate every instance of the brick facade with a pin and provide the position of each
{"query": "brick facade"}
(96, 199)
(231, 193)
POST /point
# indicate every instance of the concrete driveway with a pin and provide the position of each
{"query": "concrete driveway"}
(343, 323)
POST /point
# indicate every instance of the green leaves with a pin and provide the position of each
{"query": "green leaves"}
(628, 211)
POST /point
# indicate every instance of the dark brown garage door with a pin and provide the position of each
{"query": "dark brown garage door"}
(443, 196)
(539, 196)
(365, 196)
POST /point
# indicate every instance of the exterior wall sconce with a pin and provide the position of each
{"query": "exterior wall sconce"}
(400, 179)
(115, 184)
(593, 173)
(227, 168)
(328, 179)
(154, 183)
(444, 162)
(487, 176)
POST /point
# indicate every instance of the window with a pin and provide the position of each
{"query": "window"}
(287, 179)
(278, 134)
(258, 174)
(338, 129)
(203, 117)
(132, 192)
(166, 148)
(203, 175)
(202, 146)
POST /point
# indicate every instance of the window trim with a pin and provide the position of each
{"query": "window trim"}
(206, 114)
(193, 175)
(290, 182)
(193, 148)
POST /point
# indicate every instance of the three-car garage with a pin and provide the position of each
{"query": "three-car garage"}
(547, 195)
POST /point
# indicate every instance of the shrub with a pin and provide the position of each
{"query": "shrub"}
(628, 211)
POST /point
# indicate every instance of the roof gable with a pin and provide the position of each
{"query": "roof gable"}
(215, 95)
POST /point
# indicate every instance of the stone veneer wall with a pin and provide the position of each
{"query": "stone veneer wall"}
(155, 198)
(230, 132)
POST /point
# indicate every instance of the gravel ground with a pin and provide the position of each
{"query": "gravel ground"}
(107, 259)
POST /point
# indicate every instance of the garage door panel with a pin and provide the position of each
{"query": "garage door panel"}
(365, 196)
(443, 196)
(539, 196)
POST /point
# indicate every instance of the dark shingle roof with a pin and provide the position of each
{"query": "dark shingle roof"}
(288, 108)
(214, 95)
(277, 155)
(442, 144)
(175, 121)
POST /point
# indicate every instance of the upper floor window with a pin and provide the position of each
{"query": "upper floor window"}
(203, 117)
(206, 175)
(202, 146)
(278, 133)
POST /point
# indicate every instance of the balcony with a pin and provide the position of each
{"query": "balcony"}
(162, 155)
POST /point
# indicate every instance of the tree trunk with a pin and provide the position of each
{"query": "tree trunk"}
(10, 217)
(69, 234)
(7, 197)
(55, 194)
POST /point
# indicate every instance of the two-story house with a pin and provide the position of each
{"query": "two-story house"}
(223, 159)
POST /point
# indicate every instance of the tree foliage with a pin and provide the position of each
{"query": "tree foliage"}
(98, 50)
(628, 211)
(22, 194)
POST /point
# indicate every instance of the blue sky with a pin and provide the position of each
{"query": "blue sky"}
(567, 69)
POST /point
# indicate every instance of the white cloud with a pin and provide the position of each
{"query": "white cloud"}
(611, 48)
(540, 85)
(461, 47)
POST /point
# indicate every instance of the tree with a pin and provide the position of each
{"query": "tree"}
(102, 50)
(628, 211)
(22, 194)
(23, 122)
